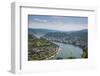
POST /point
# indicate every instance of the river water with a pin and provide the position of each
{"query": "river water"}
(68, 51)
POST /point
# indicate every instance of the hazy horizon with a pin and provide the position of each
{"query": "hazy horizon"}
(56, 29)
(61, 23)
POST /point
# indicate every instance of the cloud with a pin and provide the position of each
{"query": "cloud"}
(40, 20)
(57, 17)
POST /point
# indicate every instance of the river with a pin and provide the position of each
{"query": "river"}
(68, 51)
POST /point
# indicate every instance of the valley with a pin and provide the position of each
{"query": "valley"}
(47, 44)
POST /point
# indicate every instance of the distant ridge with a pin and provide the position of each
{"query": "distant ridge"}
(50, 30)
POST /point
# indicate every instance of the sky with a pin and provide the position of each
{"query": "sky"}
(61, 23)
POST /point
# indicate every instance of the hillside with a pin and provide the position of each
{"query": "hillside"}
(77, 37)
(40, 49)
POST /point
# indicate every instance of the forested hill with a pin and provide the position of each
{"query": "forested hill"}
(63, 36)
